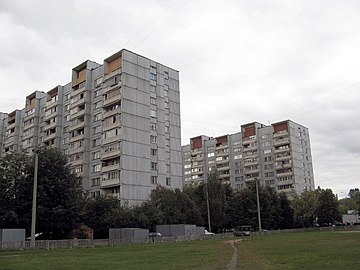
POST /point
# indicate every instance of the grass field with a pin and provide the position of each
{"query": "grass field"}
(310, 250)
(207, 254)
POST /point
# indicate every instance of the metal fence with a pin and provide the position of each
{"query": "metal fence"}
(92, 243)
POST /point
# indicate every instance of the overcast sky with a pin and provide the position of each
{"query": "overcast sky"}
(239, 62)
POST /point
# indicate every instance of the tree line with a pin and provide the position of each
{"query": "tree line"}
(61, 204)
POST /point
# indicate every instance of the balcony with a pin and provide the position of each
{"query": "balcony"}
(107, 89)
(10, 126)
(49, 116)
(112, 154)
(281, 141)
(110, 168)
(77, 162)
(78, 91)
(77, 126)
(111, 100)
(280, 150)
(78, 137)
(49, 137)
(77, 103)
(105, 183)
(250, 171)
(49, 126)
(280, 134)
(248, 140)
(283, 157)
(111, 113)
(282, 174)
(111, 126)
(77, 114)
(76, 150)
(110, 140)
(112, 74)
(283, 166)
(51, 103)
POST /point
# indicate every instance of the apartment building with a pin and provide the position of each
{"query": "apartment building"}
(118, 122)
(278, 155)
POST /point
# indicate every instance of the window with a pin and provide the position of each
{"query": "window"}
(96, 168)
(267, 151)
(98, 82)
(152, 113)
(153, 166)
(153, 76)
(267, 143)
(167, 168)
(153, 101)
(95, 181)
(153, 139)
(168, 181)
(152, 126)
(265, 136)
(111, 133)
(166, 93)
(153, 152)
(238, 157)
(96, 142)
(97, 93)
(110, 175)
(153, 179)
(153, 88)
(167, 129)
(98, 104)
(97, 117)
(96, 155)
(211, 154)
(96, 129)
(186, 166)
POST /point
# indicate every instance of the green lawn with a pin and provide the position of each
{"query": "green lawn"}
(209, 254)
(309, 250)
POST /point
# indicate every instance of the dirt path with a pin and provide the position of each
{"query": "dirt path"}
(232, 264)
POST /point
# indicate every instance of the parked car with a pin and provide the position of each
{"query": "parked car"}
(154, 234)
(243, 231)
(208, 233)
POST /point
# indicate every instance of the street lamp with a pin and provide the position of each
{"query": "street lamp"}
(208, 205)
(258, 204)
(33, 213)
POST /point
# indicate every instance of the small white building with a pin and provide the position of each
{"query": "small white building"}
(351, 217)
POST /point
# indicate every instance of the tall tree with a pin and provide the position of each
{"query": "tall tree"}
(59, 192)
(286, 213)
(327, 210)
(305, 209)
(13, 171)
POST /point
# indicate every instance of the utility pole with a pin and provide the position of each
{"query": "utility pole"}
(258, 204)
(208, 206)
(33, 213)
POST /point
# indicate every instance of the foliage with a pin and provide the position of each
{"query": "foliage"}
(327, 208)
(305, 209)
(58, 194)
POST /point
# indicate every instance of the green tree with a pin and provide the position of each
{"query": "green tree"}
(305, 209)
(13, 170)
(286, 213)
(59, 192)
(101, 214)
(327, 209)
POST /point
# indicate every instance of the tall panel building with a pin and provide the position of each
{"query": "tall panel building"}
(118, 122)
(278, 155)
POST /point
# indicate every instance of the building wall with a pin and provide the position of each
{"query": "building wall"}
(278, 155)
(119, 124)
